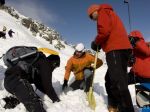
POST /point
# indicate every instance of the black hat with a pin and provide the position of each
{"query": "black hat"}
(54, 59)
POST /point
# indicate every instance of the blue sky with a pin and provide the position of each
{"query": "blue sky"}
(69, 17)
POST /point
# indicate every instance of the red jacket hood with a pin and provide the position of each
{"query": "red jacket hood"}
(136, 34)
(106, 6)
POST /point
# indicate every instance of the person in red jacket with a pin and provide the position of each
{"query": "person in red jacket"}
(113, 39)
(140, 71)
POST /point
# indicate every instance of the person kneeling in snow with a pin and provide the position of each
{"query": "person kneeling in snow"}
(81, 65)
(18, 80)
(140, 71)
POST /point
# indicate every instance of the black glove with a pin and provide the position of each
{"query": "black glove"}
(95, 47)
(132, 60)
(65, 85)
(133, 41)
(11, 102)
(57, 100)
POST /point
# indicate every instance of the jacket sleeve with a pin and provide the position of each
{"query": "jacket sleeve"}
(142, 47)
(46, 78)
(68, 69)
(103, 27)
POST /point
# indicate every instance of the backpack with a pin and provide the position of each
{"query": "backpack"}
(143, 96)
(22, 56)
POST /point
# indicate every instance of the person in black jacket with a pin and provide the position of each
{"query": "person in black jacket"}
(18, 82)
(10, 32)
(2, 2)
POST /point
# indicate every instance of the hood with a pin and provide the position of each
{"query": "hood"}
(106, 6)
(136, 34)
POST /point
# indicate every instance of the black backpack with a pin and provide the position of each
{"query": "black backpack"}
(22, 56)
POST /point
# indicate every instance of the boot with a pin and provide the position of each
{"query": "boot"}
(113, 109)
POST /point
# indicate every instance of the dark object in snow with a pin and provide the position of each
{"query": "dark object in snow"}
(2, 34)
(10, 32)
(11, 102)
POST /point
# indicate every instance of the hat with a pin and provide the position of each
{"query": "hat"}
(136, 34)
(54, 60)
(79, 47)
(93, 8)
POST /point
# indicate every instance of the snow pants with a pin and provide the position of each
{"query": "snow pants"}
(22, 89)
(85, 83)
(116, 80)
(133, 79)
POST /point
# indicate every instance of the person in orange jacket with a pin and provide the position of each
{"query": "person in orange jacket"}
(113, 39)
(140, 71)
(81, 64)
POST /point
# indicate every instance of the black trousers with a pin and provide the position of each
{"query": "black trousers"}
(22, 89)
(133, 79)
(116, 80)
(85, 83)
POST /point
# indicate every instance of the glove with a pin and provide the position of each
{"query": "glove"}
(11, 102)
(132, 60)
(65, 85)
(57, 100)
(133, 41)
(94, 46)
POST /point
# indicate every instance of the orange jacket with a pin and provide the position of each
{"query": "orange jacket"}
(111, 32)
(142, 55)
(77, 65)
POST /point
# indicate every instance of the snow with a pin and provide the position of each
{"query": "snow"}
(72, 101)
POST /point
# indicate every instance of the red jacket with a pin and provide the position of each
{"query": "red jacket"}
(111, 32)
(142, 55)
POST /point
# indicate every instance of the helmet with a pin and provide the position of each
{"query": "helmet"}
(79, 47)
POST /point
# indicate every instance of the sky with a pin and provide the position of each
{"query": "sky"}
(70, 19)
(72, 101)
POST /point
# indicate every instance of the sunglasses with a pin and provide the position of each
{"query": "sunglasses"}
(79, 52)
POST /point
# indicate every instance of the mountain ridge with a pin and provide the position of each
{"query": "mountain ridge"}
(37, 28)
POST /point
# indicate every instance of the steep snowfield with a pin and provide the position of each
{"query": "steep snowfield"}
(73, 101)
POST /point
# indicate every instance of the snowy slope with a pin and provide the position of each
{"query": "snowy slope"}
(73, 101)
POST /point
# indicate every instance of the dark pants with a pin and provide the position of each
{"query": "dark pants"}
(116, 80)
(133, 79)
(85, 83)
(22, 89)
